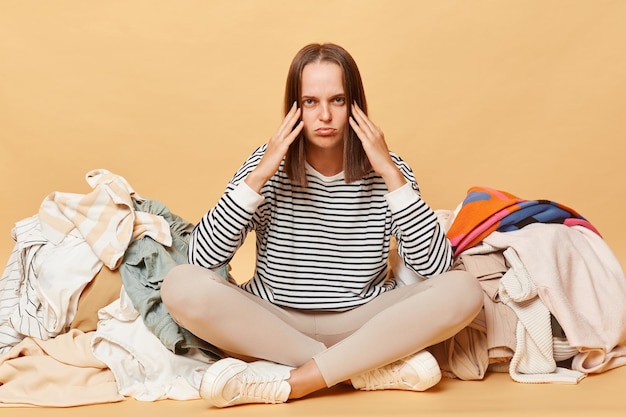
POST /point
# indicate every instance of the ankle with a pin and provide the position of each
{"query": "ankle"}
(305, 380)
(296, 390)
(299, 387)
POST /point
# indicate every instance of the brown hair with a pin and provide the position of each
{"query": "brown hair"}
(355, 161)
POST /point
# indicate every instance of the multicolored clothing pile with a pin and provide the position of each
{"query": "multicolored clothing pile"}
(485, 210)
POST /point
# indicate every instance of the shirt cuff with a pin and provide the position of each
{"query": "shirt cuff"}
(246, 197)
(401, 198)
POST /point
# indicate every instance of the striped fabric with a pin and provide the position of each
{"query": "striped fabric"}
(105, 217)
(41, 283)
(324, 246)
(58, 251)
(15, 289)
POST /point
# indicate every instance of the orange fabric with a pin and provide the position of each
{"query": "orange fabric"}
(485, 210)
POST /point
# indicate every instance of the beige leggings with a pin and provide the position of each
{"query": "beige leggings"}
(396, 324)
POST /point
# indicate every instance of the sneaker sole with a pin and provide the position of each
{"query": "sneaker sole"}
(427, 368)
(221, 370)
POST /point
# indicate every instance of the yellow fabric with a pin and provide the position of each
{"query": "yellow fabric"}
(36, 372)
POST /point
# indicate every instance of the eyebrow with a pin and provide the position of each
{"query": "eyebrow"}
(304, 96)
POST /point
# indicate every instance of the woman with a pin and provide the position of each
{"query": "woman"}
(325, 197)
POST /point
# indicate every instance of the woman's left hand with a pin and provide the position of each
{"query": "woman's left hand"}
(376, 149)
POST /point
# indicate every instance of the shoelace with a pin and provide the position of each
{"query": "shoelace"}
(385, 377)
(257, 387)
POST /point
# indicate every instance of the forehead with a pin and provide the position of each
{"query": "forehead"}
(320, 77)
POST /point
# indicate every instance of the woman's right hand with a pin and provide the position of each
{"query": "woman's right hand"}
(277, 147)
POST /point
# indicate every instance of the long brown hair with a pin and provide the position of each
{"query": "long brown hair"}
(355, 161)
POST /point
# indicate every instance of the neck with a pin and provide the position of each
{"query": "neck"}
(327, 162)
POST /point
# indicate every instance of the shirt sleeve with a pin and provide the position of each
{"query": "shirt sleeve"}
(223, 229)
(422, 242)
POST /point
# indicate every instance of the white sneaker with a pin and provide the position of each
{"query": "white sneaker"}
(231, 381)
(417, 372)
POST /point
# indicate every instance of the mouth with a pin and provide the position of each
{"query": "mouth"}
(325, 131)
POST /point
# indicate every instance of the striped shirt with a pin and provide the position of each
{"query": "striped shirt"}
(324, 246)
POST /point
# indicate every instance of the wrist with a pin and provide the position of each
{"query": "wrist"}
(394, 179)
(255, 181)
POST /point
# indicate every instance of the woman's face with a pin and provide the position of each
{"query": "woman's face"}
(324, 107)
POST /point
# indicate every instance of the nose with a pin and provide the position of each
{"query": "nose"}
(325, 113)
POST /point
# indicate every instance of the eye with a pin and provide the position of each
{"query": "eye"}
(340, 100)
(308, 102)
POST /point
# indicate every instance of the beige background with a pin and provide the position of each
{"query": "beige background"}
(524, 96)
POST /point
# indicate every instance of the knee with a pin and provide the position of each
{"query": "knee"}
(461, 296)
(469, 296)
(175, 289)
(191, 292)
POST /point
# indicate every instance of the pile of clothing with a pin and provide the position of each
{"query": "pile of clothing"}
(82, 322)
(80, 302)
(554, 292)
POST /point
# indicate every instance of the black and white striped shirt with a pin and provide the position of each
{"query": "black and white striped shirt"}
(324, 246)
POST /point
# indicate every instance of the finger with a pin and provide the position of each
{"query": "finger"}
(295, 132)
(282, 143)
(357, 120)
(290, 121)
(289, 117)
(355, 126)
(360, 125)
(364, 122)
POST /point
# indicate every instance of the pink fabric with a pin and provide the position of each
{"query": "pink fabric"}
(582, 283)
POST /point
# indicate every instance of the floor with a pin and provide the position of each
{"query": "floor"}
(497, 394)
